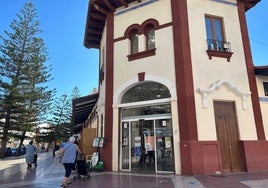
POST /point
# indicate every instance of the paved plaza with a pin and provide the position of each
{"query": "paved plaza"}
(49, 174)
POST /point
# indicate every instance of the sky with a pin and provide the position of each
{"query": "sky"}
(73, 65)
(257, 22)
(63, 25)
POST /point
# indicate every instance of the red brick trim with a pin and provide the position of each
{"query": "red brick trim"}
(214, 53)
(140, 55)
(139, 27)
(130, 28)
(108, 113)
(183, 71)
(141, 76)
(251, 72)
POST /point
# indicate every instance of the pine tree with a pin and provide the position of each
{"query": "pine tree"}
(24, 97)
(60, 123)
(75, 93)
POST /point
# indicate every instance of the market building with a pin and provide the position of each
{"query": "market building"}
(178, 91)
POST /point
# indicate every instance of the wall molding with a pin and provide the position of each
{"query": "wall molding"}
(217, 85)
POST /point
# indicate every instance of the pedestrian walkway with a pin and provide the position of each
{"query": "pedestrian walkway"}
(49, 174)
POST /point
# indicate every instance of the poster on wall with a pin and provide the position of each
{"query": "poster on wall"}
(125, 141)
(149, 143)
(96, 142)
(137, 152)
(159, 139)
(168, 143)
(125, 125)
(137, 141)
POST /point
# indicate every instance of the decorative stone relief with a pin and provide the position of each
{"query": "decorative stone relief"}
(217, 85)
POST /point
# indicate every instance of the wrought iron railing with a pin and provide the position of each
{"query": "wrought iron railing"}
(216, 45)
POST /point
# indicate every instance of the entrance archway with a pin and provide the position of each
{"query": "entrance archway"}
(146, 136)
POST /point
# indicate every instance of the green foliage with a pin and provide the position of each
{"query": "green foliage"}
(75, 93)
(60, 128)
(24, 97)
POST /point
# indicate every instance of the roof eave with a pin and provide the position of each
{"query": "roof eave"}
(250, 4)
(261, 70)
(96, 18)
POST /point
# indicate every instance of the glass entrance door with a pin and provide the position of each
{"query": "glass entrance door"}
(143, 146)
(147, 145)
(125, 146)
(164, 145)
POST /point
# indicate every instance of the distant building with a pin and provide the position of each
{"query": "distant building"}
(178, 91)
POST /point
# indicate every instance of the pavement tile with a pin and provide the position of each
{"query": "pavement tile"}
(49, 174)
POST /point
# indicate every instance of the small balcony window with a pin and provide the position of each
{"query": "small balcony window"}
(217, 46)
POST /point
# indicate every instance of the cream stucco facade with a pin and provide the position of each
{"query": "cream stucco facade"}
(159, 68)
(207, 72)
(263, 101)
(196, 78)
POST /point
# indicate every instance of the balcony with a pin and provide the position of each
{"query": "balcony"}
(219, 49)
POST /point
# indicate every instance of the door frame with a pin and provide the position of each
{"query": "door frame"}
(230, 134)
(145, 118)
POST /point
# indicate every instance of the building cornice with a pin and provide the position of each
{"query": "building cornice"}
(99, 9)
(96, 18)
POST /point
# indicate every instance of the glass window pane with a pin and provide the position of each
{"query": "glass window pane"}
(146, 91)
(218, 30)
(208, 28)
(164, 145)
(125, 145)
(134, 40)
(150, 37)
(146, 110)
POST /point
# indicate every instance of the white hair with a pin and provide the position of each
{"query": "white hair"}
(72, 139)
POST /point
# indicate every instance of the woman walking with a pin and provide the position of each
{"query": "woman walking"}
(69, 154)
(30, 151)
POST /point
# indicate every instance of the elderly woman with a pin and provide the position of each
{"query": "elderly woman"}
(69, 155)
(30, 151)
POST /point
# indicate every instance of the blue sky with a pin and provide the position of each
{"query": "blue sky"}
(257, 19)
(63, 25)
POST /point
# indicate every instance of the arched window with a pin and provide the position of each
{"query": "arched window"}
(134, 41)
(150, 37)
(146, 91)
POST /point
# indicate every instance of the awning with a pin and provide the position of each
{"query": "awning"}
(82, 107)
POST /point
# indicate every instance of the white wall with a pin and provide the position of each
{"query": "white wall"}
(207, 72)
(159, 68)
(263, 103)
(160, 64)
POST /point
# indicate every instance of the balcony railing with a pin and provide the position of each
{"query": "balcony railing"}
(218, 48)
(217, 45)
